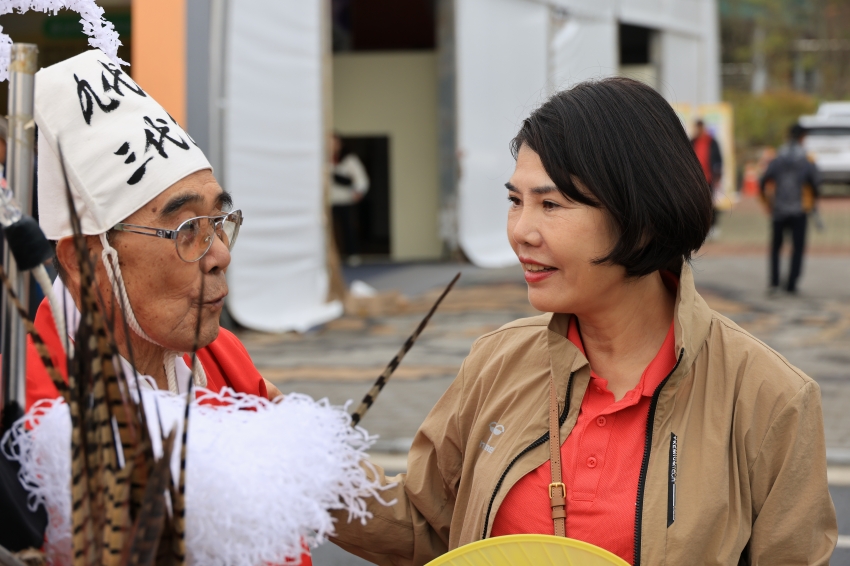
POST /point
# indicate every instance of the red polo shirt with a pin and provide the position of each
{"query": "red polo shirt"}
(601, 461)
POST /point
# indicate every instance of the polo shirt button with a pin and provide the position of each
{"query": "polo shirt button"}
(601, 421)
(598, 389)
(591, 462)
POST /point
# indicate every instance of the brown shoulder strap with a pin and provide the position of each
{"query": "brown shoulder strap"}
(557, 489)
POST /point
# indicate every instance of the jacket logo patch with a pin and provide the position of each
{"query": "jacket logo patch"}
(495, 430)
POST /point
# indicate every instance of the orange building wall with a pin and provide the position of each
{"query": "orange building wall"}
(159, 52)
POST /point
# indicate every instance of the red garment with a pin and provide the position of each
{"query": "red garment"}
(226, 362)
(702, 147)
(601, 464)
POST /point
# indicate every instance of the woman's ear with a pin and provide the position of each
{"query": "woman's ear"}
(66, 254)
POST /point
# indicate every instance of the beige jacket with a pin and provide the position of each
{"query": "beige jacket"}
(750, 467)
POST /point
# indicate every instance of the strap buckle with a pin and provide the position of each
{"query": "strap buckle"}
(553, 485)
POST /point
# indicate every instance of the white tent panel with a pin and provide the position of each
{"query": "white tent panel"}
(273, 164)
(501, 77)
(584, 48)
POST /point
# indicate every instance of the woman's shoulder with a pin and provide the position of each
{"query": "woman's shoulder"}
(524, 337)
(522, 329)
(753, 364)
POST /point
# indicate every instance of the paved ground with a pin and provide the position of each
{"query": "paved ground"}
(340, 360)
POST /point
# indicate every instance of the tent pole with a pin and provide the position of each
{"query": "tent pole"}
(337, 289)
(19, 175)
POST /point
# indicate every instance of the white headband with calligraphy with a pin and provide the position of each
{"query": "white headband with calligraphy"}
(120, 148)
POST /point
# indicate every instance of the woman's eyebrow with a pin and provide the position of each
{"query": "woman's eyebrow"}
(546, 189)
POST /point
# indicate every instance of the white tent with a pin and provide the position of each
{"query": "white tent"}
(512, 54)
(274, 164)
(509, 56)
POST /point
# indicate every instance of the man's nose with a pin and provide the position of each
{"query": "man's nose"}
(217, 258)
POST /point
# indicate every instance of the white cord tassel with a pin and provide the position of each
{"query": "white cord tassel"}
(43, 280)
(109, 255)
(199, 376)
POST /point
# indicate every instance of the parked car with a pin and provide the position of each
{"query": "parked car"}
(828, 143)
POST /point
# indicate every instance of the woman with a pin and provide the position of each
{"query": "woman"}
(683, 439)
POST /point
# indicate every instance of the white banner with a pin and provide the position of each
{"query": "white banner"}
(501, 78)
(273, 164)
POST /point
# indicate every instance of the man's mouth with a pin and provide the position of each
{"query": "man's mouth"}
(218, 301)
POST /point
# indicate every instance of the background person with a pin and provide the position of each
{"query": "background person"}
(711, 160)
(631, 416)
(349, 185)
(790, 186)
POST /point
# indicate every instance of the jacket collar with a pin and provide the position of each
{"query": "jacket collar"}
(692, 320)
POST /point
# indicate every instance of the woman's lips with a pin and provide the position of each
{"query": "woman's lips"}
(538, 276)
(535, 271)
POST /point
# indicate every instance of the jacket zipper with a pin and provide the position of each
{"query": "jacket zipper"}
(530, 447)
(647, 447)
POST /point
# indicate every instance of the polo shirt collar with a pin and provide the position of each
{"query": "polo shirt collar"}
(691, 322)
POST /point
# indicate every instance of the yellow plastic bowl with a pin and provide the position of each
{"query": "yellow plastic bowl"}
(529, 550)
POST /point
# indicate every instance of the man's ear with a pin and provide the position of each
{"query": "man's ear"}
(67, 256)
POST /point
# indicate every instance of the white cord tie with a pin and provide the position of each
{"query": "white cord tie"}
(109, 256)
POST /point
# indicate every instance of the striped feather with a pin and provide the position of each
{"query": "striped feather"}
(40, 346)
(178, 493)
(150, 524)
(382, 380)
(178, 496)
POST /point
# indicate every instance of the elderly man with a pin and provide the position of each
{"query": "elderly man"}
(155, 218)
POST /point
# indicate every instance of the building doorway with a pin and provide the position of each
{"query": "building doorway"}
(385, 93)
(640, 54)
(370, 218)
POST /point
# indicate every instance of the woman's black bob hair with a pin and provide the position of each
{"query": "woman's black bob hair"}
(623, 143)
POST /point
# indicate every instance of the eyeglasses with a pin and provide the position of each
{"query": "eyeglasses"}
(194, 237)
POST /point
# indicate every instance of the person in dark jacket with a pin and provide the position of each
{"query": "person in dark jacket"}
(790, 186)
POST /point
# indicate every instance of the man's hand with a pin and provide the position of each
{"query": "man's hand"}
(272, 391)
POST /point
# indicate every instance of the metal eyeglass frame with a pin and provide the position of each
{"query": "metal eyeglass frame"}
(218, 221)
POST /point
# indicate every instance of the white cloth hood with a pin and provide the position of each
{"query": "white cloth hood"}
(120, 147)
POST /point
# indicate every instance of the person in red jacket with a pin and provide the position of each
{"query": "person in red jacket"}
(156, 222)
(711, 160)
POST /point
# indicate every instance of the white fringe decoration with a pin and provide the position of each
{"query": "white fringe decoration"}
(101, 32)
(36, 441)
(261, 476)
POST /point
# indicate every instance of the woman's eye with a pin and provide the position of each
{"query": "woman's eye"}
(549, 205)
(514, 201)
